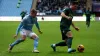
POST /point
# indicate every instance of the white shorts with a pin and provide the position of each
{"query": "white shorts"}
(27, 33)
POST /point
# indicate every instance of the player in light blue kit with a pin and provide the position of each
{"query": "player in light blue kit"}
(25, 29)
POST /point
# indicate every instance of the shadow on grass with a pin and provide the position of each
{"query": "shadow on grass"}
(64, 52)
(18, 53)
(59, 53)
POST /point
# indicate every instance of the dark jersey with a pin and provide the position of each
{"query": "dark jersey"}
(65, 23)
(88, 14)
(23, 13)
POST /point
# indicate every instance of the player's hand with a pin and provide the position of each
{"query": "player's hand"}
(15, 36)
(40, 32)
(76, 28)
(70, 18)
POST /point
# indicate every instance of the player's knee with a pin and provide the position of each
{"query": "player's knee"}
(34, 37)
(69, 34)
(23, 39)
(70, 37)
(37, 38)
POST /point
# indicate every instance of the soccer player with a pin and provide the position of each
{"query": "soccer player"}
(25, 29)
(88, 15)
(65, 23)
(23, 13)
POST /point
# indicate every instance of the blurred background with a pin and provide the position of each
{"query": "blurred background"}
(47, 7)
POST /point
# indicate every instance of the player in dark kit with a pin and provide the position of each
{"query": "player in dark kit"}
(23, 13)
(88, 15)
(66, 21)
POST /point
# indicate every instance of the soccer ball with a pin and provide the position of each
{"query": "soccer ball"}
(80, 48)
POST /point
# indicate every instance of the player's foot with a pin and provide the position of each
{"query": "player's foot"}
(10, 48)
(71, 50)
(35, 51)
(53, 47)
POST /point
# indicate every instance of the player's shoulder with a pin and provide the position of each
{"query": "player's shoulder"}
(26, 17)
(66, 9)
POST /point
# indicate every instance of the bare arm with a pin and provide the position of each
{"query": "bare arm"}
(73, 25)
(76, 28)
(37, 25)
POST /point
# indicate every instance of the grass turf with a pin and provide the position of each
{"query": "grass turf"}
(90, 38)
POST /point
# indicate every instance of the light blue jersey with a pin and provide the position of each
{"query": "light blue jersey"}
(27, 23)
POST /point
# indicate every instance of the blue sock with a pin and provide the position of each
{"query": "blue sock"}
(36, 43)
(17, 42)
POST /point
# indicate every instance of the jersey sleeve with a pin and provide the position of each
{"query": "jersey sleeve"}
(65, 10)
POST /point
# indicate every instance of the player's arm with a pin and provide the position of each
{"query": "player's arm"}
(23, 22)
(65, 16)
(37, 25)
(76, 28)
(18, 29)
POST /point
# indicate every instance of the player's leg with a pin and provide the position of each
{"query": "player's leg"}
(62, 43)
(35, 38)
(88, 23)
(16, 42)
(69, 42)
(23, 37)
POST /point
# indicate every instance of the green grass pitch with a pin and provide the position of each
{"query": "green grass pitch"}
(90, 38)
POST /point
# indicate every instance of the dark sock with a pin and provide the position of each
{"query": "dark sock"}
(61, 44)
(69, 42)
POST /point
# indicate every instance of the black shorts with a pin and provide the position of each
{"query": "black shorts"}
(63, 32)
(88, 20)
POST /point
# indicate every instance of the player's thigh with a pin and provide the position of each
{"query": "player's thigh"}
(64, 37)
(87, 20)
(32, 35)
(23, 37)
(69, 34)
(23, 34)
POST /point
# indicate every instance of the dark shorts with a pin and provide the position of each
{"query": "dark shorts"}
(88, 20)
(63, 32)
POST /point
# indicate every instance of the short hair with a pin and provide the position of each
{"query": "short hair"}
(33, 11)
